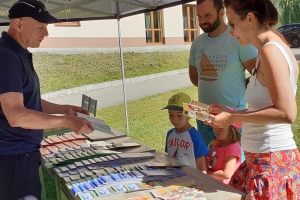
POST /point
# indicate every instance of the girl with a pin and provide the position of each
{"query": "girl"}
(225, 153)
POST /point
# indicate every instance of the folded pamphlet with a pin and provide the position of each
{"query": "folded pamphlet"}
(197, 110)
(188, 190)
(91, 119)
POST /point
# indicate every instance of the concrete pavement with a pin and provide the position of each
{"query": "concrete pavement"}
(136, 89)
(111, 93)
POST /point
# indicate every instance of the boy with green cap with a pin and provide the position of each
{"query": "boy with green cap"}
(184, 142)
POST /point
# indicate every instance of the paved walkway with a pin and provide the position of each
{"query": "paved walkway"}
(111, 93)
(136, 89)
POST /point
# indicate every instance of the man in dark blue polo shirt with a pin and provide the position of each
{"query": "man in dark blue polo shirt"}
(23, 114)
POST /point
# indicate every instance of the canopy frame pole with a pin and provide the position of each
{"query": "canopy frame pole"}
(122, 67)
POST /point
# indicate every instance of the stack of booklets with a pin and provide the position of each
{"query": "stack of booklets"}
(97, 167)
(128, 140)
(81, 189)
(197, 110)
(114, 145)
(189, 190)
(125, 178)
(86, 155)
(55, 143)
(73, 141)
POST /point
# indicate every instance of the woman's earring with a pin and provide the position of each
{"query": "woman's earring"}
(251, 28)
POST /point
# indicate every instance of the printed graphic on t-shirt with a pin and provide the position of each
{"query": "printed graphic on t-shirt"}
(209, 66)
(180, 147)
(179, 142)
(175, 154)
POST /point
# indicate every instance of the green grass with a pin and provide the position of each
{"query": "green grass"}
(62, 71)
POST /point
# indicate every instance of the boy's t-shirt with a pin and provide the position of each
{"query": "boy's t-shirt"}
(222, 153)
(185, 146)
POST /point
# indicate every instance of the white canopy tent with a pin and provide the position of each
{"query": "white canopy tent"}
(82, 10)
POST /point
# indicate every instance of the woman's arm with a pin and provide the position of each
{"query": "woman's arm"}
(273, 72)
(229, 169)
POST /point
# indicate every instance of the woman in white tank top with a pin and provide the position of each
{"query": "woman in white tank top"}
(272, 166)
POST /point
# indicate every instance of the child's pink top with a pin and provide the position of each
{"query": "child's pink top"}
(233, 149)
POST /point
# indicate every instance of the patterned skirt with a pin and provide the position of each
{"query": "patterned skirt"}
(269, 176)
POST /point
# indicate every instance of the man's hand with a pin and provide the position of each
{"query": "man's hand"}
(72, 110)
(79, 125)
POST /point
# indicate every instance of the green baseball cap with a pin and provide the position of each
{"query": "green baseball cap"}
(175, 102)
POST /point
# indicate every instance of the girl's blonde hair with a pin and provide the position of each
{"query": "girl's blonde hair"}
(234, 135)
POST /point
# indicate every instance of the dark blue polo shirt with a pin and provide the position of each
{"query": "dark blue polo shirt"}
(18, 75)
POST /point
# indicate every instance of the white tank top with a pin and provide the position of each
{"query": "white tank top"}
(258, 138)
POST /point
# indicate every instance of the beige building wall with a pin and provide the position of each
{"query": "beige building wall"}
(97, 34)
(104, 33)
(173, 25)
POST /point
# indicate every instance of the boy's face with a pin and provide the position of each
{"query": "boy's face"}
(179, 121)
(221, 133)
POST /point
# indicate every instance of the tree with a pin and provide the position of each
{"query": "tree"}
(289, 11)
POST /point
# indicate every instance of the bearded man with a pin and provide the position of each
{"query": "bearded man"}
(217, 62)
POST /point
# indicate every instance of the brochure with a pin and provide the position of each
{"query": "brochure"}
(140, 197)
(159, 164)
(197, 110)
(187, 190)
(90, 118)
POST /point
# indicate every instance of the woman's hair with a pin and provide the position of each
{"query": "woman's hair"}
(234, 134)
(264, 10)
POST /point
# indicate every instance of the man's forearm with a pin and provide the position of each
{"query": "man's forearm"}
(30, 119)
(52, 108)
(193, 74)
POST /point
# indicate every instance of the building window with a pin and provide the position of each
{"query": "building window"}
(190, 23)
(68, 24)
(153, 24)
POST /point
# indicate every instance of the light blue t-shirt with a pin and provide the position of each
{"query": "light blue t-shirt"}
(221, 74)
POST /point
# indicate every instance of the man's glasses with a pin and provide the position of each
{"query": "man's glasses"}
(244, 13)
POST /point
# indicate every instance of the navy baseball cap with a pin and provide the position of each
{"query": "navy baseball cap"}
(31, 8)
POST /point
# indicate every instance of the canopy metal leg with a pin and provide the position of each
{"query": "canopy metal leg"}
(122, 67)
